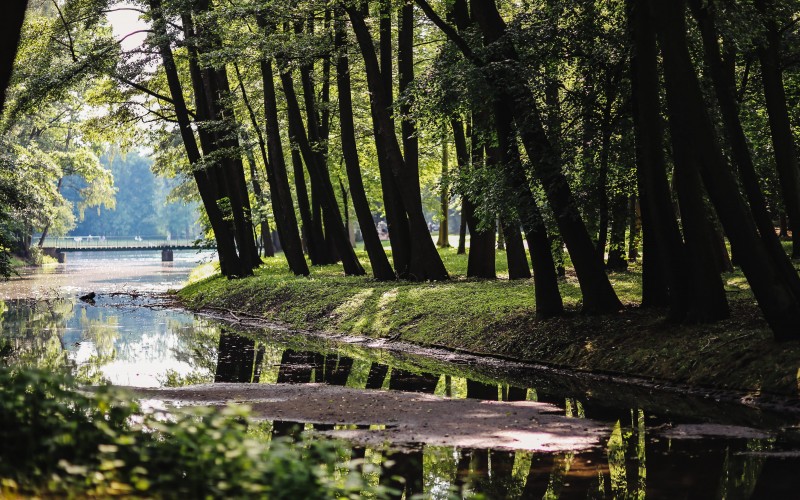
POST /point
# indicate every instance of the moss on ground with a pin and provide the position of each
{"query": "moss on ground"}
(498, 318)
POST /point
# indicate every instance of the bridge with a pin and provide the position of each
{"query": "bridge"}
(58, 247)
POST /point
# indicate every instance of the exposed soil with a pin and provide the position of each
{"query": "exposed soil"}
(409, 418)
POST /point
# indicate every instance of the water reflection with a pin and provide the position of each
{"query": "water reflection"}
(129, 344)
(112, 341)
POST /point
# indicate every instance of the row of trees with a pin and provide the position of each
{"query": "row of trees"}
(575, 124)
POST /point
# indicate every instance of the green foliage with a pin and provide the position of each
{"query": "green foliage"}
(59, 440)
(142, 203)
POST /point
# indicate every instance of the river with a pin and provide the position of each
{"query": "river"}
(653, 442)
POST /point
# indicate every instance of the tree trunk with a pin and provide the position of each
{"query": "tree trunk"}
(315, 151)
(381, 268)
(444, 199)
(619, 222)
(598, 295)
(779, 123)
(266, 236)
(634, 228)
(602, 184)
(310, 212)
(664, 279)
(780, 306)
(481, 257)
(424, 262)
(547, 293)
(501, 238)
(723, 77)
(213, 81)
(320, 178)
(278, 180)
(229, 262)
(10, 30)
(462, 233)
(462, 158)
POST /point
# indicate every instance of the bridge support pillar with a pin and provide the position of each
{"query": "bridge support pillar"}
(61, 257)
(166, 255)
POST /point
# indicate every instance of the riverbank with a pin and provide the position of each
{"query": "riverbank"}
(498, 318)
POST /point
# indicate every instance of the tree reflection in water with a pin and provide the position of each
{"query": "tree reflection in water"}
(633, 462)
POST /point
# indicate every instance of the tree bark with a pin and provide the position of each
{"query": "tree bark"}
(598, 294)
(780, 306)
(278, 180)
(302, 153)
(722, 74)
(10, 31)
(619, 222)
(229, 262)
(212, 89)
(481, 257)
(779, 123)
(444, 198)
(319, 177)
(266, 233)
(381, 268)
(424, 261)
(664, 280)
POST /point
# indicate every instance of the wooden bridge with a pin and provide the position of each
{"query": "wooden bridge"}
(58, 247)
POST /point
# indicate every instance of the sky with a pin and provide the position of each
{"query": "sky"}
(124, 22)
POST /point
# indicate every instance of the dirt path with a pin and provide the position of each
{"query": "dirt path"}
(409, 418)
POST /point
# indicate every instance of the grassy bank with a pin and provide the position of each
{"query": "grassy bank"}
(498, 317)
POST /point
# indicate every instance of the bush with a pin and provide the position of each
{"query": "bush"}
(60, 440)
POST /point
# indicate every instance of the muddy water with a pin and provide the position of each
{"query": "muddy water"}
(654, 443)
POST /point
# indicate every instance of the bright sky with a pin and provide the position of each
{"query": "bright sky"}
(125, 22)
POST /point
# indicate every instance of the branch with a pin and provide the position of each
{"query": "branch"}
(66, 28)
(149, 92)
(451, 32)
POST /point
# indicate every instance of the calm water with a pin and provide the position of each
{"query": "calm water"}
(139, 342)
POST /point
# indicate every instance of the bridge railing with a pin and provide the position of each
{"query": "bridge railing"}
(114, 242)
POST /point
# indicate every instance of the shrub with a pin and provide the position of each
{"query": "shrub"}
(61, 440)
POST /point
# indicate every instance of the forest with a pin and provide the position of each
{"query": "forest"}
(442, 248)
(574, 136)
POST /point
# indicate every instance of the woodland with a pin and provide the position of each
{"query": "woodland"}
(574, 136)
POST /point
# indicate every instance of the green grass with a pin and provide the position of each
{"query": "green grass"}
(498, 317)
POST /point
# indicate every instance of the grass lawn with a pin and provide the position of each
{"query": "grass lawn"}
(498, 317)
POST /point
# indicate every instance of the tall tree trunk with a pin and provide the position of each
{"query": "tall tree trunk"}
(266, 233)
(315, 152)
(10, 30)
(722, 71)
(501, 238)
(310, 214)
(779, 124)
(602, 184)
(481, 258)
(213, 82)
(396, 216)
(634, 228)
(780, 306)
(598, 294)
(424, 262)
(319, 177)
(444, 198)
(547, 293)
(405, 73)
(619, 222)
(381, 268)
(282, 205)
(462, 159)
(462, 233)
(664, 271)
(229, 264)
